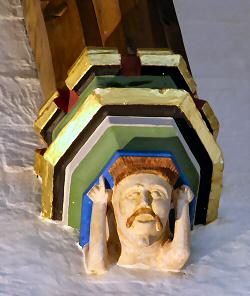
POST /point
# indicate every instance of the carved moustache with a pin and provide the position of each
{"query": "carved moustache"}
(142, 211)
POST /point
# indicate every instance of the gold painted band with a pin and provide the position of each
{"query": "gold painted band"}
(163, 57)
(131, 96)
(107, 57)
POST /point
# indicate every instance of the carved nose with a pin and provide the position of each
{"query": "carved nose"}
(146, 198)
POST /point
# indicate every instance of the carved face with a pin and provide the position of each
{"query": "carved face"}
(142, 204)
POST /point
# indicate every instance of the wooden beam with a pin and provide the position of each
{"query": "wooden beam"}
(89, 23)
(60, 29)
(170, 25)
(39, 42)
(65, 35)
(109, 17)
(137, 25)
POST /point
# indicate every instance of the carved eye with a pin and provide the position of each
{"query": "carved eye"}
(157, 194)
(133, 196)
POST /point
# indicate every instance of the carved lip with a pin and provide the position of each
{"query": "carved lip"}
(147, 213)
(145, 218)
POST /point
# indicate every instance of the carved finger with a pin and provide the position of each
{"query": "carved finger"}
(190, 195)
(188, 192)
(102, 184)
(91, 194)
(94, 191)
(184, 188)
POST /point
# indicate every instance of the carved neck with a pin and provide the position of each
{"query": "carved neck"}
(134, 254)
(141, 252)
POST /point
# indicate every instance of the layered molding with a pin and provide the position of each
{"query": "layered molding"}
(138, 110)
(124, 132)
(156, 65)
(164, 58)
(89, 58)
(131, 96)
(110, 81)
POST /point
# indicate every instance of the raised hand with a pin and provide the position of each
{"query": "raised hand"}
(99, 194)
(183, 194)
(97, 253)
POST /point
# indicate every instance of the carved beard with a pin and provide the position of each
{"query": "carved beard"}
(142, 211)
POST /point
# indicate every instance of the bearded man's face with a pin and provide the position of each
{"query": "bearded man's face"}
(142, 204)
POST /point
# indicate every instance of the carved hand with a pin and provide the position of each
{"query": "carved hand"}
(179, 251)
(99, 194)
(183, 195)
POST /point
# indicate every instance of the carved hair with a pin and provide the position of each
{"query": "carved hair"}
(128, 165)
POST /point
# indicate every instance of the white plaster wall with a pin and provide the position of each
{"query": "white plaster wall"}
(42, 258)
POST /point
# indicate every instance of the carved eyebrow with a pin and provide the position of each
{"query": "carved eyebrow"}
(139, 186)
(135, 188)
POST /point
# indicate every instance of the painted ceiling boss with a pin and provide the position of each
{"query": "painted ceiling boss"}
(130, 155)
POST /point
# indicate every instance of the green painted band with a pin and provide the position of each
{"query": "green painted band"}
(129, 139)
(154, 82)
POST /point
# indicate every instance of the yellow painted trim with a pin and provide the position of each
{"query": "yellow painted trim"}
(130, 96)
(39, 161)
(91, 57)
(47, 103)
(212, 119)
(165, 58)
(47, 175)
(154, 51)
(47, 110)
(43, 119)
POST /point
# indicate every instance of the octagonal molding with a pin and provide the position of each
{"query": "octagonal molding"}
(147, 127)
(114, 96)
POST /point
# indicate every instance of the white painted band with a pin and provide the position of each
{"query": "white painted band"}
(117, 121)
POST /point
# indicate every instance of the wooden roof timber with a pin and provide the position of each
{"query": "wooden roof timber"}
(60, 29)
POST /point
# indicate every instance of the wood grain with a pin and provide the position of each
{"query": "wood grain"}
(109, 17)
(66, 40)
(38, 38)
(60, 29)
(137, 25)
(89, 22)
